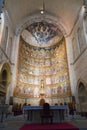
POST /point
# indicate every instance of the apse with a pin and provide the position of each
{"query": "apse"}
(42, 71)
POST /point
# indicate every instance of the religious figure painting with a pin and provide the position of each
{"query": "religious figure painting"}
(42, 31)
(36, 92)
(48, 80)
(59, 90)
(42, 34)
(49, 64)
(48, 91)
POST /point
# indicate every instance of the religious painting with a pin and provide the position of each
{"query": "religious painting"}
(48, 80)
(49, 64)
(36, 92)
(48, 91)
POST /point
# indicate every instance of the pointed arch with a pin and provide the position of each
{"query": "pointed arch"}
(38, 17)
(82, 95)
(5, 72)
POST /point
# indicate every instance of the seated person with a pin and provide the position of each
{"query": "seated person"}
(46, 114)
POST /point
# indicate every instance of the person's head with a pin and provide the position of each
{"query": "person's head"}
(25, 104)
(56, 104)
(65, 103)
(61, 103)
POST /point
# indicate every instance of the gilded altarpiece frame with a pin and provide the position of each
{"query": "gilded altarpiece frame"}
(42, 71)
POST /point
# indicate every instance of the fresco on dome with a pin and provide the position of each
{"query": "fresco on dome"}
(42, 34)
(42, 31)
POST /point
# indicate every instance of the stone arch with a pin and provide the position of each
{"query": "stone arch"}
(5, 72)
(82, 95)
(38, 17)
(81, 92)
(5, 78)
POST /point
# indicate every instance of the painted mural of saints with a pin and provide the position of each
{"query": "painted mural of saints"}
(36, 92)
(59, 90)
(48, 91)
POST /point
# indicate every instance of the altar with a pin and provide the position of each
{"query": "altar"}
(33, 113)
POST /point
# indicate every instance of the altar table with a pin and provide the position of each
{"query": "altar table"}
(34, 112)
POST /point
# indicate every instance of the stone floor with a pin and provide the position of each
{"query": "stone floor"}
(15, 122)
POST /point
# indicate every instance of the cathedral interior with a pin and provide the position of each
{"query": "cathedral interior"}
(43, 52)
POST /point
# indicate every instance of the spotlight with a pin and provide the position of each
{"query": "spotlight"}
(42, 11)
(43, 8)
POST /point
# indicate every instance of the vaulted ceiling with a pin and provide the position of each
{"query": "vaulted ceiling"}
(66, 11)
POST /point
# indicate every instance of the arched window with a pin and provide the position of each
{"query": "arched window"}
(9, 47)
(4, 77)
(4, 45)
(85, 27)
(75, 48)
(82, 94)
(81, 39)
